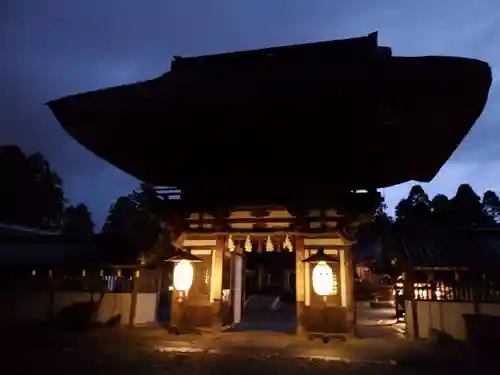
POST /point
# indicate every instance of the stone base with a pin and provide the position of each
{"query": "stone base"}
(212, 316)
(329, 320)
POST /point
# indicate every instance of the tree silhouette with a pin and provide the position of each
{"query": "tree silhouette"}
(78, 222)
(130, 223)
(467, 210)
(491, 206)
(17, 203)
(31, 193)
(425, 230)
(47, 192)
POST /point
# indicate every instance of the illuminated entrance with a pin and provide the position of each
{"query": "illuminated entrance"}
(252, 273)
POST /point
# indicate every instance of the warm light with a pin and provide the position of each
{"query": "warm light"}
(269, 244)
(183, 276)
(438, 294)
(248, 245)
(323, 279)
(287, 244)
(230, 244)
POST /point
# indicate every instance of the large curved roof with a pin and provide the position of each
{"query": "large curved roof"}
(312, 118)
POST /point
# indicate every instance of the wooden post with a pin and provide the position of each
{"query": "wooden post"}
(133, 299)
(237, 286)
(349, 279)
(52, 296)
(216, 284)
(160, 275)
(409, 291)
(351, 299)
(299, 285)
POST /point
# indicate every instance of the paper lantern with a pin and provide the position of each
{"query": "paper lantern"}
(323, 279)
(183, 276)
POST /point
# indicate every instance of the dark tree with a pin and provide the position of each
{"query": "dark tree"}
(17, 185)
(120, 217)
(78, 222)
(491, 206)
(130, 223)
(440, 213)
(414, 208)
(47, 191)
(467, 209)
(31, 192)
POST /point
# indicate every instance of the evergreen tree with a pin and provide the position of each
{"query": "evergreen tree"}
(78, 222)
(491, 206)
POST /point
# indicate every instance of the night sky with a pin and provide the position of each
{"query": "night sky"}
(53, 48)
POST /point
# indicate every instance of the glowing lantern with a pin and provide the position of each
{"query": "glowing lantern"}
(323, 279)
(183, 276)
(183, 270)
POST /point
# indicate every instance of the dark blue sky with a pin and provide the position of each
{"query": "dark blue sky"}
(53, 48)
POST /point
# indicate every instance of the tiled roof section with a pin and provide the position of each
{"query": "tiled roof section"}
(20, 230)
(41, 253)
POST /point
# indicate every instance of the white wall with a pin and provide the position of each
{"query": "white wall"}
(444, 316)
(145, 310)
(35, 306)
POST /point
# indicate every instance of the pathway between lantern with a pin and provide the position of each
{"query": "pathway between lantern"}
(141, 348)
(394, 352)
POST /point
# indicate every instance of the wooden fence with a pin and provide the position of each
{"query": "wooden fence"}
(457, 291)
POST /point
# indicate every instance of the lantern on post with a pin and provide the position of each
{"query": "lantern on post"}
(324, 280)
(183, 269)
(183, 280)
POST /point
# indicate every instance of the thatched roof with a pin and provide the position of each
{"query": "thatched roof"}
(308, 119)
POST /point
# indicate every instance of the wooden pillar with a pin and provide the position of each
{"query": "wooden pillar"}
(260, 278)
(350, 302)
(409, 291)
(300, 285)
(216, 283)
(52, 295)
(175, 312)
(133, 299)
(159, 291)
(237, 286)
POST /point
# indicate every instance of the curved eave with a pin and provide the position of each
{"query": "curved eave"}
(435, 101)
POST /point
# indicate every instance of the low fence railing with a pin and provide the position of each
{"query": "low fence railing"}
(457, 291)
(95, 282)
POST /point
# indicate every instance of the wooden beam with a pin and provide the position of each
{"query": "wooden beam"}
(245, 220)
(263, 233)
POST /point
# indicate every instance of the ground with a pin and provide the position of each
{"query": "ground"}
(29, 350)
(153, 351)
